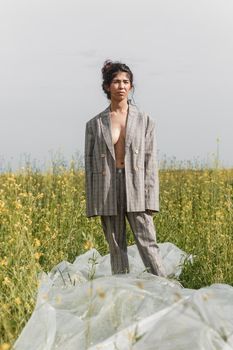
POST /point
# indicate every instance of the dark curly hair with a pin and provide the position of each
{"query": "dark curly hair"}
(110, 70)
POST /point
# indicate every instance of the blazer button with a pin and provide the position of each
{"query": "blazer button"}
(136, 151)
(102, 155)
(104, 173)
(136, 168)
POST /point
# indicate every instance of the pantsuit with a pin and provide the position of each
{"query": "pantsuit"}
(114, 195)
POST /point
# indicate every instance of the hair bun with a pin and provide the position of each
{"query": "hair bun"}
(106, 66)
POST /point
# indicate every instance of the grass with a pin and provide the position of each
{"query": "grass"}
(42, 222)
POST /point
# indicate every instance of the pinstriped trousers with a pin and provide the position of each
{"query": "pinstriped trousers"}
(143, 228)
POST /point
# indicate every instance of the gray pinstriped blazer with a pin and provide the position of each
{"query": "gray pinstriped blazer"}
(141, 166)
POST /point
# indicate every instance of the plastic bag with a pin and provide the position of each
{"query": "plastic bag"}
(82, 306)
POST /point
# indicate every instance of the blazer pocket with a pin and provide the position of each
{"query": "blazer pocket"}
(99, 164)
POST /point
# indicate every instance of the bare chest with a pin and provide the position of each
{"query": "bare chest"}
(118, 129)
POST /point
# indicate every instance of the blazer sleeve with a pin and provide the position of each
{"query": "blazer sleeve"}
(151, 168)
(88, 156)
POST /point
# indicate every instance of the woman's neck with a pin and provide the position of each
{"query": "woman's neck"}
(119, 106)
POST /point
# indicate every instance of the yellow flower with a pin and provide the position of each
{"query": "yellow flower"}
(5, 346)
(5, 307)
(4, 261)
(140, 284)
(58, 299)
(18, 204)
(17, 300)
(206, 296)
(11, 178)
(17, 225)
(23, 194)
(219, 214)
(2, 204)
(37, 255)
(47, 228)
(37, 242)
(28, 306)
(7, 281)
(101, 293)
(88, 245)
(40, 195)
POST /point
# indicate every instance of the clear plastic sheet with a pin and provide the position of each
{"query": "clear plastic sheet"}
(82, 306)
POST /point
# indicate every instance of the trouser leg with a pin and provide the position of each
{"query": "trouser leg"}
(144, 232)
(114, 228)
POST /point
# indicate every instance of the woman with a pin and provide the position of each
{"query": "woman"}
(121, 172)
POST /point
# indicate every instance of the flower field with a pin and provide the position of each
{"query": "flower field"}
(42, 222)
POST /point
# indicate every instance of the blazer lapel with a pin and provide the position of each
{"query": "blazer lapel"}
(106, 130)
(131, 124)
(130, 127)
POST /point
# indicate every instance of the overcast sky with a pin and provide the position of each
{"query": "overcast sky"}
(52, 51)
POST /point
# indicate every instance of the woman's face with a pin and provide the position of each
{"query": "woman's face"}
(120, 87)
